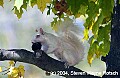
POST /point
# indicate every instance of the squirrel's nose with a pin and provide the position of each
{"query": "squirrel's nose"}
(32, 42)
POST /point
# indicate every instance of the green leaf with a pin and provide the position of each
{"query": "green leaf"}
(104, 32)
(25, 2)
(101, 49)
(106, 20)
(91, 40)
(18, 7)
(107, 7)
(18, 12)
(104, 39)
(1, 3)
(74, 5)
(106, 47)
(18, 4)
(92, 0)
(42, 4)
(83, 9)
(33, 2)
(93, 49)
(101, 34)
(54, 11)
(96, 25)
(53, 24)
(93, 10)
(49, 8)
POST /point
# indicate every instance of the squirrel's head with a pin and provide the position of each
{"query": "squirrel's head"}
(39, 37)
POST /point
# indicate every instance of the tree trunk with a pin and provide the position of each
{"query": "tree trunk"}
(113, 58)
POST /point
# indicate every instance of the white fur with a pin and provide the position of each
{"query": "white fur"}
(66, 46)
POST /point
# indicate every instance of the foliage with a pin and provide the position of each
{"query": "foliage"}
(97, 13)
(14, 72)
(1, 2)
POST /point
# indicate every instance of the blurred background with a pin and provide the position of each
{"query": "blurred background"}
(17, 33)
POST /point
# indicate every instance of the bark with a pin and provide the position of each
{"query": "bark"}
(44, 62)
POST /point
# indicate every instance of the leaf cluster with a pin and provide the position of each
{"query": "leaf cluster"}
(97, 13)
(13, 71)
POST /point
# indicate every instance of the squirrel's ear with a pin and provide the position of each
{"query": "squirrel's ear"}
(41, 31)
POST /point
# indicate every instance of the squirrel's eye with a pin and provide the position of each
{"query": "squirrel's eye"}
(37, 36)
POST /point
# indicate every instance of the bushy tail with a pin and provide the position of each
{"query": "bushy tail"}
(76, 43)
(70, 33)
(67, 26)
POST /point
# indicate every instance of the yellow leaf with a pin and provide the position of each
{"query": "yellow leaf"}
(9, 76)
(10, 70)
(32, 2)
(90, 59)
(0, 69)
(97, 54)
(11, 63)
(15, 72)
(21, 70)
(1, 3)
(85, 34)
(77, 15)
(21, 67)
(42, 4)
(55, 27)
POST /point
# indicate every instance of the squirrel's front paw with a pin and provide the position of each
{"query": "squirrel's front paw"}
(38, 54)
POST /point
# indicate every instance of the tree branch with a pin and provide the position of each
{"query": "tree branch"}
(44, 62)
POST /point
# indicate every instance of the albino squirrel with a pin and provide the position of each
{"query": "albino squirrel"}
(66, 45)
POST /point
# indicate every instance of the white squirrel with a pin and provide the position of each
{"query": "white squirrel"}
(66, 46)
